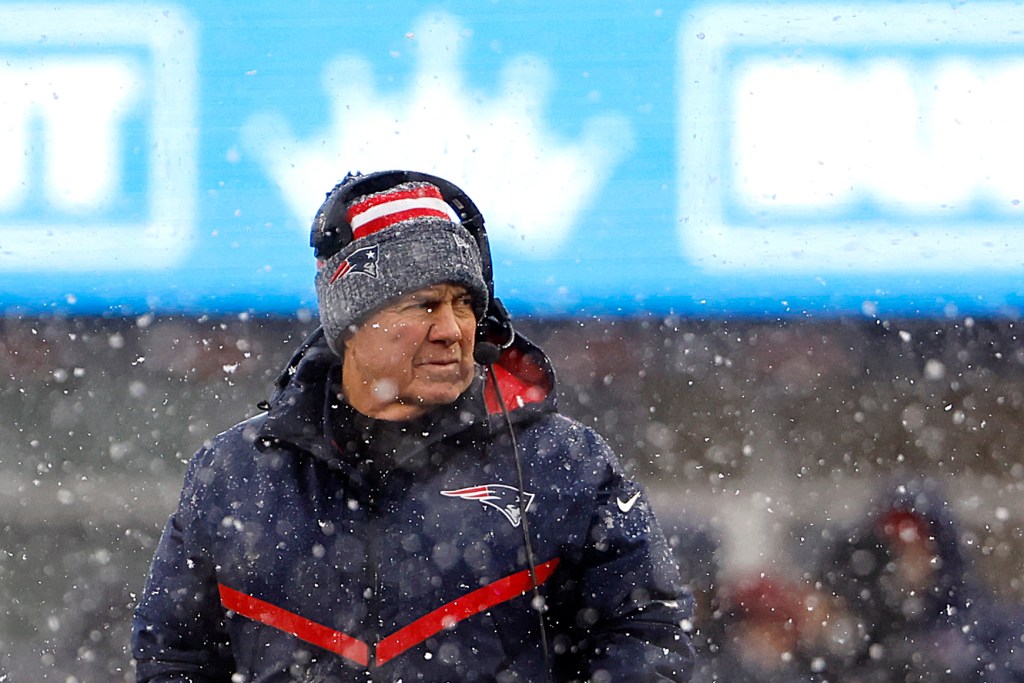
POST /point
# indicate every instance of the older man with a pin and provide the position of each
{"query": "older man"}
(410, 505)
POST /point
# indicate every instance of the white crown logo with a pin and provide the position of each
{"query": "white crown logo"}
(530, 185)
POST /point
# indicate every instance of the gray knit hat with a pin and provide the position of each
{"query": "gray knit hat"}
(404, 239)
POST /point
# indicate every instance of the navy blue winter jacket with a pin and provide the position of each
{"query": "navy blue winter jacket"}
(314, 544)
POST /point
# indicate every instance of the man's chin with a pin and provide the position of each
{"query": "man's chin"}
(439, 393)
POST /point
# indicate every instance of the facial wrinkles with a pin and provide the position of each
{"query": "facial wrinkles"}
(416, 353)
(387, 365)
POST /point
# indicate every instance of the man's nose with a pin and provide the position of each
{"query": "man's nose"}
(445, 324)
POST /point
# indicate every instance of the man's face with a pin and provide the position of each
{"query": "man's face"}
(413, 355)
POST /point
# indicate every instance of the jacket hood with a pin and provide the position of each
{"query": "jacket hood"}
(308, 387)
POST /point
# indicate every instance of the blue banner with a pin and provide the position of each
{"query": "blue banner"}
(768, 159)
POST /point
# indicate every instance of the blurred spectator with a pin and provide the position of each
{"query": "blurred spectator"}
(925, 615)
(761, 629)
(765, 621)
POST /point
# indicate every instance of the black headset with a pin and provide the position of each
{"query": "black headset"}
(331, 233)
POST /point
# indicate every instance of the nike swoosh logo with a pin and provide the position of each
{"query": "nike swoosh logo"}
(627, 505)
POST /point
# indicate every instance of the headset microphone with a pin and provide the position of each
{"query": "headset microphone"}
(486, 353)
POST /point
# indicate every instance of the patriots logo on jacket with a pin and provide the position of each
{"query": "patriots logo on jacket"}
(359, 261)
(504, 499)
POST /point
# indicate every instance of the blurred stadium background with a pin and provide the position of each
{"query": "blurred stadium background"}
(767, 307)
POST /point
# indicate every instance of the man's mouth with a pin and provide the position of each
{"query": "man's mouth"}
(440, 363)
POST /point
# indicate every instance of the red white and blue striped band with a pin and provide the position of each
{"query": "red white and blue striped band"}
(376, 212)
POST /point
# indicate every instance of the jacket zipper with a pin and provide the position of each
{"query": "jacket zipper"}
(373, 603)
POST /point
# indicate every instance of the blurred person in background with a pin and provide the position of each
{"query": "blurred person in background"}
(410, 505)
(765, 623)
(925, 615)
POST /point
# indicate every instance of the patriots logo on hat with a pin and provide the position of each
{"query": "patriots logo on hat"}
(359, 261)
(504, 499)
